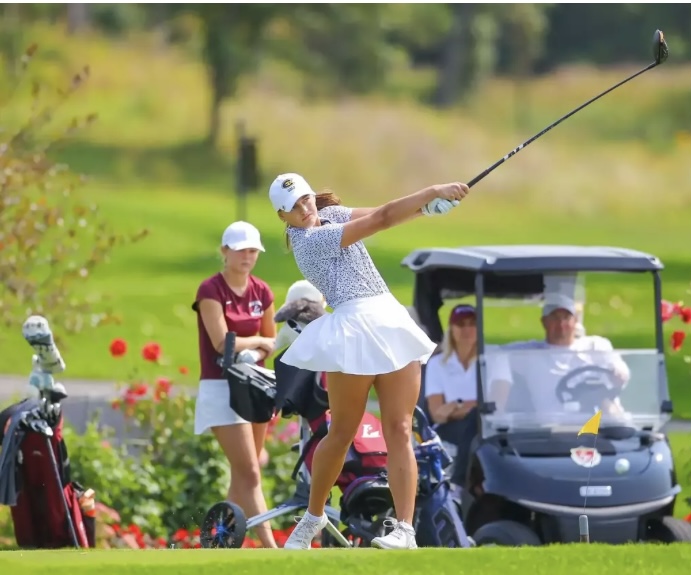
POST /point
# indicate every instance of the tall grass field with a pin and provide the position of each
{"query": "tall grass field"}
(615, 174)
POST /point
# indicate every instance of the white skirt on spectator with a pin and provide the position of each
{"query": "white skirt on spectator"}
(367, 336)
(212, 407)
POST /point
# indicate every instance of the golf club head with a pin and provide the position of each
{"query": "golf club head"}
(660, 49)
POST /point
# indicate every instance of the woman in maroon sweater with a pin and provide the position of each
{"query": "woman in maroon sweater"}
(235, 300)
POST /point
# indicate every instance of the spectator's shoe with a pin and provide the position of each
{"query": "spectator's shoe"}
(307, 529)
(402, 536)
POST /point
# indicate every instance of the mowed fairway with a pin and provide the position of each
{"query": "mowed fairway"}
(558, 560)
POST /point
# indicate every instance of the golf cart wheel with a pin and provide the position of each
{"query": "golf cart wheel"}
(669, 530)
(224, 527)
(505, 533)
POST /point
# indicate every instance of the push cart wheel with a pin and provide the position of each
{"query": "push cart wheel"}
(224, 527)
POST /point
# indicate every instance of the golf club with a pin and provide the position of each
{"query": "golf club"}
(660, 53)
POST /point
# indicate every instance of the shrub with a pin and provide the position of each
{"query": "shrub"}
(50, 238)
(165, 481)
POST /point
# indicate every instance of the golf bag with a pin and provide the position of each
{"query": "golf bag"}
(35, 481)
(366, 455)
(437, 521)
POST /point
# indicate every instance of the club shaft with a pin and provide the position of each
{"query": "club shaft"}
(56, 472)
(513, 152)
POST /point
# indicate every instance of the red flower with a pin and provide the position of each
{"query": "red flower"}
(116, 404)
(162, 542)
(183, 370)
(685, 314)
(130, 399)
(688, 518)
(118, 347)
(197, 532)
(181, 535)
(151, 352)
(163, 385)
(677, 340)
(138, 389)
(280, 537)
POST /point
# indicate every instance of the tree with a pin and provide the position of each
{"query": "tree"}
(50, 239)
(468, 52)
(524, 28)
(233, 35)
(341, 48)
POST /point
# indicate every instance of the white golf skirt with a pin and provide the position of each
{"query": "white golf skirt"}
(367, 336)
(212, 407)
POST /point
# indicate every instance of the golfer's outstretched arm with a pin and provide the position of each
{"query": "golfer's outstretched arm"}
(361, 212)
(396, 212)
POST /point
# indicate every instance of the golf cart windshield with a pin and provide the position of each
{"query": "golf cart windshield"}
(551, 388)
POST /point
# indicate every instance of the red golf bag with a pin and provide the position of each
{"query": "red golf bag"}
(35, 481)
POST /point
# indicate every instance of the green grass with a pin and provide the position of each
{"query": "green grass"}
(558, 560)
(574, 186)
(681, 450)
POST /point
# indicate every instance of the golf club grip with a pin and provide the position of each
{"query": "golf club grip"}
(513, 152)
(229, 350)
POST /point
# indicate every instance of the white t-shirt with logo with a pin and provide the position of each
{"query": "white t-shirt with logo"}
(541, 374)
(456, 383)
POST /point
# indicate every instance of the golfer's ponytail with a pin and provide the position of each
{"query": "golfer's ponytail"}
(326, 198)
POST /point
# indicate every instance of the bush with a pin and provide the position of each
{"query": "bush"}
(50, 239)
(671, 312)
(166, 481)
(161, 486)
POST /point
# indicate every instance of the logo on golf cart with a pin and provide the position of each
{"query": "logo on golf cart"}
(586, 456)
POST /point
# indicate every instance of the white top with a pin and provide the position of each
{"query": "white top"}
(455, 382)
(341, 274)
(543, 373)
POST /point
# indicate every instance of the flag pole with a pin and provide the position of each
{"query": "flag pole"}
(591, 426)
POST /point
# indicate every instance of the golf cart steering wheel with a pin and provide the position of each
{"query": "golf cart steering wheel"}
(588, 394)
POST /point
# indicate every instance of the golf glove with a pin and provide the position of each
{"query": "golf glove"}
(439, 207)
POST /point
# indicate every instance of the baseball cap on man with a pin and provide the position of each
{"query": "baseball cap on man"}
(287, 189)
(554, 302)
(242, 236)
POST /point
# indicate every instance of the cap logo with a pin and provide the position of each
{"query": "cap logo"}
(287, 184)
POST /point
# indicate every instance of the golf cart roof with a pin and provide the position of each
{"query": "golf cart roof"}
(532, 258)
(507, 272)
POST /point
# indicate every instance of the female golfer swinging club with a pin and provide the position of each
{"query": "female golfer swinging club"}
(369, 339)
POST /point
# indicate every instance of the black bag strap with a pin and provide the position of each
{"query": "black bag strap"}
(318, 434)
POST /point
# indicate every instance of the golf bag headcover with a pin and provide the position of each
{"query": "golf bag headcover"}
(304, 303)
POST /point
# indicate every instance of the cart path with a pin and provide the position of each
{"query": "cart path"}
(88, 397)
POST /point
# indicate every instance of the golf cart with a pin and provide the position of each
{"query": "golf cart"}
(530, 475)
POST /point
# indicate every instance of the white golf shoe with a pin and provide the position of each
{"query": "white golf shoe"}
(307, 529)
(402, 536)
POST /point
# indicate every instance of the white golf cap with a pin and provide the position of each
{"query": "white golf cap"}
(554, 302)
(242, 236)
(287, 189)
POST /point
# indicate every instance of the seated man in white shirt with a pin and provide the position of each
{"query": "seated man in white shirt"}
(543, 373)
(451, 383)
